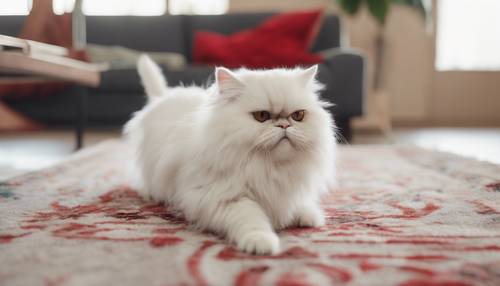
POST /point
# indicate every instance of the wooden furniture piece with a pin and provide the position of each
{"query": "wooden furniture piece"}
(20, 67)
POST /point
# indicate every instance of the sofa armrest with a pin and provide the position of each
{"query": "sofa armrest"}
(346, 86)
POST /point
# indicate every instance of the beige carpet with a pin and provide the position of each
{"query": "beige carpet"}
(401, 216)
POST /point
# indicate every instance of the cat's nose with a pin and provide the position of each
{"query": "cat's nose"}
(283, 125)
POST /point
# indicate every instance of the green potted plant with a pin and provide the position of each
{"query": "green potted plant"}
(378, 112)
(379, 9)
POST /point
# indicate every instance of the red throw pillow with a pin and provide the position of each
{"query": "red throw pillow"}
(280, 41)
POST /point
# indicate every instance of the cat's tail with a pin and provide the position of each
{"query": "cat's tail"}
(152, 77)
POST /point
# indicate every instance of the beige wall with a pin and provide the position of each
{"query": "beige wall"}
(418, 94)
(465, 98)
(407, 59)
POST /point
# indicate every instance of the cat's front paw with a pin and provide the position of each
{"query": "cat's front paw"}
(259, 242)
(310, 217)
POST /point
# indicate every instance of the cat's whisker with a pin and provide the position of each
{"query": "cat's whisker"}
(301, 141)
(264, 138)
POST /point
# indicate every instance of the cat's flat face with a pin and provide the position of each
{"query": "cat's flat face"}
(275, 112)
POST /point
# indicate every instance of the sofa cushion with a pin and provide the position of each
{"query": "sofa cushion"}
(200, 75)
(127, 80)
(121, 57)
(328, 36)
(280, 41)
(152, 33)
(124, 80)
(103, 109)
(250, 52)
(11, 25)
(224, 24)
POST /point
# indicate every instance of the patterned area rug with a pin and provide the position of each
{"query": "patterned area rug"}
(401, 216)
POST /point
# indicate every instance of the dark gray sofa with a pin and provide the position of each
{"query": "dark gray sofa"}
(121, 93)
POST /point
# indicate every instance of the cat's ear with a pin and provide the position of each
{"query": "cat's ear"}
(308, 75)
(228, 82)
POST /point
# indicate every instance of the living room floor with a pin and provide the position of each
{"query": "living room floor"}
(27, 151)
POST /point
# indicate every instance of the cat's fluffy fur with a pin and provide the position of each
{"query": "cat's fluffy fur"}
(202, 152)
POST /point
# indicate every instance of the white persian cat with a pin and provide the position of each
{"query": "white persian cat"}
(245, 157)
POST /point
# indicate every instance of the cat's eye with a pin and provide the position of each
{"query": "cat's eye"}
(262, 115)
(298, 115)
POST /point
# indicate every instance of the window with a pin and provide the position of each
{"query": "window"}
(122, 7)
(114, 7)
(91, 7)
(62, 6)
(468, 35)
(17, 7)
(205, 7)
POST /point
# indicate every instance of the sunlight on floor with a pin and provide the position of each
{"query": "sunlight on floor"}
(28, 151)
(481, 144)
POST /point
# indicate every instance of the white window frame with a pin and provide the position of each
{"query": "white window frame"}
(468, 35)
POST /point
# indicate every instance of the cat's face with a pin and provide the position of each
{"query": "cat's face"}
(273, 113)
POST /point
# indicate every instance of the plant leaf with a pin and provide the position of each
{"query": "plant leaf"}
(417, 4)
(378, 8)
(350, 6)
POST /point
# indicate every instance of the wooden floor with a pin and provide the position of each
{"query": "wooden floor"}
(27, 151)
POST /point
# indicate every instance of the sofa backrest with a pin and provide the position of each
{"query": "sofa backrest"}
(11, 25)
(329, 35)
(152, 33)
(176, 33)
(173, 33)
(155, 33)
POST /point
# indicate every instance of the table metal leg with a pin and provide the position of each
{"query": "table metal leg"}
(81, 115)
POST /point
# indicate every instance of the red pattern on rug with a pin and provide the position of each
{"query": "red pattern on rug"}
(401, 216)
